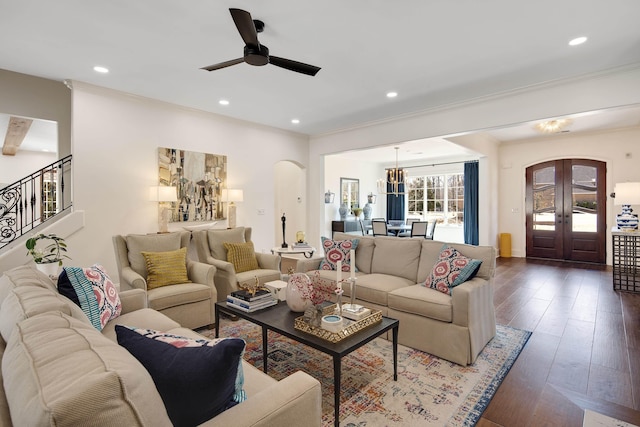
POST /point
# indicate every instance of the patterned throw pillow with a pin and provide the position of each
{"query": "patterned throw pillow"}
(197, 379)
(166, 268)
(242, 256)
(338, 250)
(451, 270)
(92, 290)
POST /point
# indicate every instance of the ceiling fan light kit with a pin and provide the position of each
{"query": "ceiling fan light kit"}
(258, 54)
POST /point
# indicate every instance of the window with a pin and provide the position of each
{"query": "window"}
(437, 198)
(49, 194)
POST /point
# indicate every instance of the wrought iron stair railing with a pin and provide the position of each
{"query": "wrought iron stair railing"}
(34, 200)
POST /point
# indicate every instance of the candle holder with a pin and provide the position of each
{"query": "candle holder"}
(352, 307)
(339, 292)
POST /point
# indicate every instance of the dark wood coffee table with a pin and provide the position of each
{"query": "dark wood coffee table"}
(279, 318)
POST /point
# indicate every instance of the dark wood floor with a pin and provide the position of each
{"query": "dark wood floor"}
(584, 352)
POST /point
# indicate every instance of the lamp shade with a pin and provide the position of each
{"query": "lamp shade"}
(627, 193)
(232, 195)
(163, 193)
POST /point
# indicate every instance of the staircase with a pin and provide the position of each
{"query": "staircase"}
(32, 204)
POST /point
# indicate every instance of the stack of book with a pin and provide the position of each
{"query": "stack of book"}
(243, 300)
(301, 245)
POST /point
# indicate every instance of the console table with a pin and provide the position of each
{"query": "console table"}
(626, 260)
(348, 226)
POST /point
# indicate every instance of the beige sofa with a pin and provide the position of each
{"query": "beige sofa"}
(389, 277)
(57, 369)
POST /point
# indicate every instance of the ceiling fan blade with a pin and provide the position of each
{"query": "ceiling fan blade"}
(245, 26)
(223, 64)
(296, 66)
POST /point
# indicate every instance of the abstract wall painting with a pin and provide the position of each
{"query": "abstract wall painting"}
(199, 179)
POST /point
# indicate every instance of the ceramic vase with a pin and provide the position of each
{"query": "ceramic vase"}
(367, 211)
(343, 212)
(299, 292)
(50, 269)
(627, 221)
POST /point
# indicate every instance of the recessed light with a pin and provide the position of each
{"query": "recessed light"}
(392, 94)
(295, 121)
(577, 41)
(99, 69)
(223, 102)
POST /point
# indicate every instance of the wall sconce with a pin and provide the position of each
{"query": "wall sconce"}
(627, 194)
(163, 194)
(371, 198)
(329, 196)
(232, 196)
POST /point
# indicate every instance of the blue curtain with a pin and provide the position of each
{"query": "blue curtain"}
(471, 203)
(395, 204)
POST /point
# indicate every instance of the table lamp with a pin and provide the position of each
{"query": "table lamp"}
(231, 196)
(627, 194)
(162, 195)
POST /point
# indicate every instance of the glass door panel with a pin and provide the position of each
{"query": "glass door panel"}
(584, 199)
(544, 199)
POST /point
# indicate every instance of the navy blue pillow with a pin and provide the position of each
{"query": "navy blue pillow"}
(195, 383)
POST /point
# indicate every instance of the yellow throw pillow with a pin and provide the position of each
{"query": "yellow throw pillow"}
(166, 268)
(242, 256)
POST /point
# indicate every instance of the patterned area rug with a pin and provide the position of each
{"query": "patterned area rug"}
(429, 391)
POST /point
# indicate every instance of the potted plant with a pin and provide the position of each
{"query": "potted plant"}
(47, 259)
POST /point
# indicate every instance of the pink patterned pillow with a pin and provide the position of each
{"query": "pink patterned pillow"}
(338, 250)
(92, 290)
(451, 270)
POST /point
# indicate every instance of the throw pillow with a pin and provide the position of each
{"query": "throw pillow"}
(197, 379)
(451, 270)
(166, 268)
(242, 256)
(93, 291)
(338, 250)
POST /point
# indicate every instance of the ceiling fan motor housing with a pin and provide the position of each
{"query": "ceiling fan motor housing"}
(256, 55)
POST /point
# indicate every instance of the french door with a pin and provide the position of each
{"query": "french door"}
(566, 210)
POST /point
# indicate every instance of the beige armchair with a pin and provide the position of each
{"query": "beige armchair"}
(211, 250)
(190, 304)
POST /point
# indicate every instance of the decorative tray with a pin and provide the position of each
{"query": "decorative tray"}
(350, 326)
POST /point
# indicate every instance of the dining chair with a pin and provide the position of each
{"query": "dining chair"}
(379, 228)
(431, 230)
(362, 228)
(419, 229)
(407, 233)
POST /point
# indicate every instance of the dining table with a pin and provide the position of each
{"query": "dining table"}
(396, 229)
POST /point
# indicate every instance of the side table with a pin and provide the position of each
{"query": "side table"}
(307, 251)
(626, 260)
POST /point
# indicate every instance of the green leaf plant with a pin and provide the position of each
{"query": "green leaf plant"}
(54, 251)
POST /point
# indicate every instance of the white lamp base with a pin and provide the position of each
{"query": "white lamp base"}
(232, 215)
(163, 220)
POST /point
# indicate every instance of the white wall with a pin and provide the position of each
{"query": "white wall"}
(610, 147)
(115, 142)
(290, 196)
(366, 172)
(14, 168)
(607, 90)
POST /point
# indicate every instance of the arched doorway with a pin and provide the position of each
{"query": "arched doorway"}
(566, 210)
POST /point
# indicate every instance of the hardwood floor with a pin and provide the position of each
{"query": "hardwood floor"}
(584, 352)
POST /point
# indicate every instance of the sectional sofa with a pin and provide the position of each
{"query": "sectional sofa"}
(390, 275)
(58, 369)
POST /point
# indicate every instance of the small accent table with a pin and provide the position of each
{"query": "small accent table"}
(279, 318)
(626, 260)
(306, 251)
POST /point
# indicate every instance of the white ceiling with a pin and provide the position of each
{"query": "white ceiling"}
(431, 52)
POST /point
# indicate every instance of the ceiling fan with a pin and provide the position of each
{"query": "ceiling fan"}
(256, 53)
